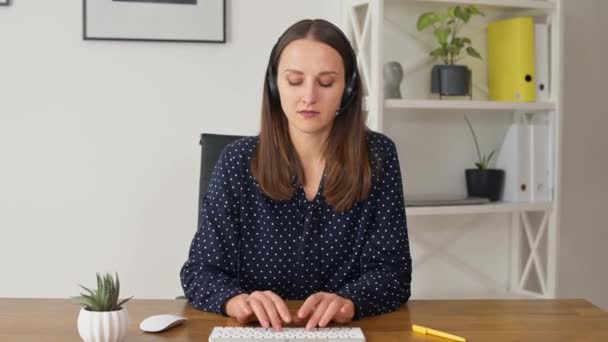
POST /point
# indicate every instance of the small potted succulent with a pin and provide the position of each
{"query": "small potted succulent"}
(450, 78)
(103, 318)
(483, 181)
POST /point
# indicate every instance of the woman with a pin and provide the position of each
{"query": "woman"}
(312, 208)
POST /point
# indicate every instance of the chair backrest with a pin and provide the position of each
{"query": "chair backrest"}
(212, 146)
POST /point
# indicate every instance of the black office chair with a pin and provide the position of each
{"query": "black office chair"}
(212, 146)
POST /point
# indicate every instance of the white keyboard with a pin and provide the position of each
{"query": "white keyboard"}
(255, 334)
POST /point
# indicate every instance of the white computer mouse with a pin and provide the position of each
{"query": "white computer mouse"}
(159, 323)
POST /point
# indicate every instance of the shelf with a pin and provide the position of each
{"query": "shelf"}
(516, 4)
(528, 107)
(497, 207)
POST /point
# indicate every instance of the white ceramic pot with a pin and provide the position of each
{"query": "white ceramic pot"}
(108, 326)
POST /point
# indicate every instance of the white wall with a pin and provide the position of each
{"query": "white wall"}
(583, 252)
(99, 155)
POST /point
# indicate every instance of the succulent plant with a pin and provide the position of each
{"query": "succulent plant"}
(483, 162)
(105, 297)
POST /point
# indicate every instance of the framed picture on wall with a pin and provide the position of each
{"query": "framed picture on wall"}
(197, 21)
(4, 2)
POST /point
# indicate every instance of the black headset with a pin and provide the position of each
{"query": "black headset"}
(350, 90)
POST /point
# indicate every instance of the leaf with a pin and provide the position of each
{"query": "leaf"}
(465, 40)
(484, 160)
(468, 14)
(116, 293)
(86, 300)
(459, 13)
(95, 306)
(474, 139)
(99, 282)
(490, 156)
(451, 11)
(438, 52)
(89, 291)
(122, 302)
(109, 289)
(475, 11)
(442, 34)
(103, 293)
(472, 52)
(456, 50)
(86, 297)
(484, 163)
(457, 46)
(426, 19)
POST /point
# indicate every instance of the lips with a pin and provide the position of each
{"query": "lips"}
(308, 113)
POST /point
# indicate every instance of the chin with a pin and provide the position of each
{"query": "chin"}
(310, 125)
(311, 129)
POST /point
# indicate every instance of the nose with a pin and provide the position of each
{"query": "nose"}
(309, 95)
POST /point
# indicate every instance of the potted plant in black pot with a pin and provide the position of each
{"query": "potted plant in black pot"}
(484, 181)
(450, 78)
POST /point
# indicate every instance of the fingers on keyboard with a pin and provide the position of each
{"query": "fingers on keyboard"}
(316, 316)
(279, 303)
(330, 312)
(260, 312)
(309, 305)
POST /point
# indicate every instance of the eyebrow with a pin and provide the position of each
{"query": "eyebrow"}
(320, 74)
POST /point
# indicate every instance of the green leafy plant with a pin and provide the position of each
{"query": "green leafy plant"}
(105, 297)
(446, 28)
(484, 161)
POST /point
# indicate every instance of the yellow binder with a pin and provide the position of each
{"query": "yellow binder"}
(511, 74)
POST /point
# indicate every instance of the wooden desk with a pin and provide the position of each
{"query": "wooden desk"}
(25, 320)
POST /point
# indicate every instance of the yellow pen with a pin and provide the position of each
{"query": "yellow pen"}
(428, 331)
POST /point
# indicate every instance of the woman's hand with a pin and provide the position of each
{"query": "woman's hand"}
(239, 308)
(264, 306)
(323, 307)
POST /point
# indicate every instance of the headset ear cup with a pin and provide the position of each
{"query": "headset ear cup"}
(273, 91)
(349, 92)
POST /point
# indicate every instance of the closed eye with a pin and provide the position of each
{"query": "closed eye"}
(324, 85)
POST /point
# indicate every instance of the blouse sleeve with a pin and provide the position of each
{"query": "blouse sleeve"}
(386, 264)
(209, 276)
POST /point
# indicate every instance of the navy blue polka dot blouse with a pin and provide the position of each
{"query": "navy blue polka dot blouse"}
(247, 241)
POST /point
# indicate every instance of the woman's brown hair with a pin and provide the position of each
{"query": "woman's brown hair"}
(275, 163)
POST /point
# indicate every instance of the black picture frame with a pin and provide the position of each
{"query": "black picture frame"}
(86, 36)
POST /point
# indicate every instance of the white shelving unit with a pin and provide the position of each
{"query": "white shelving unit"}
(384, 30)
